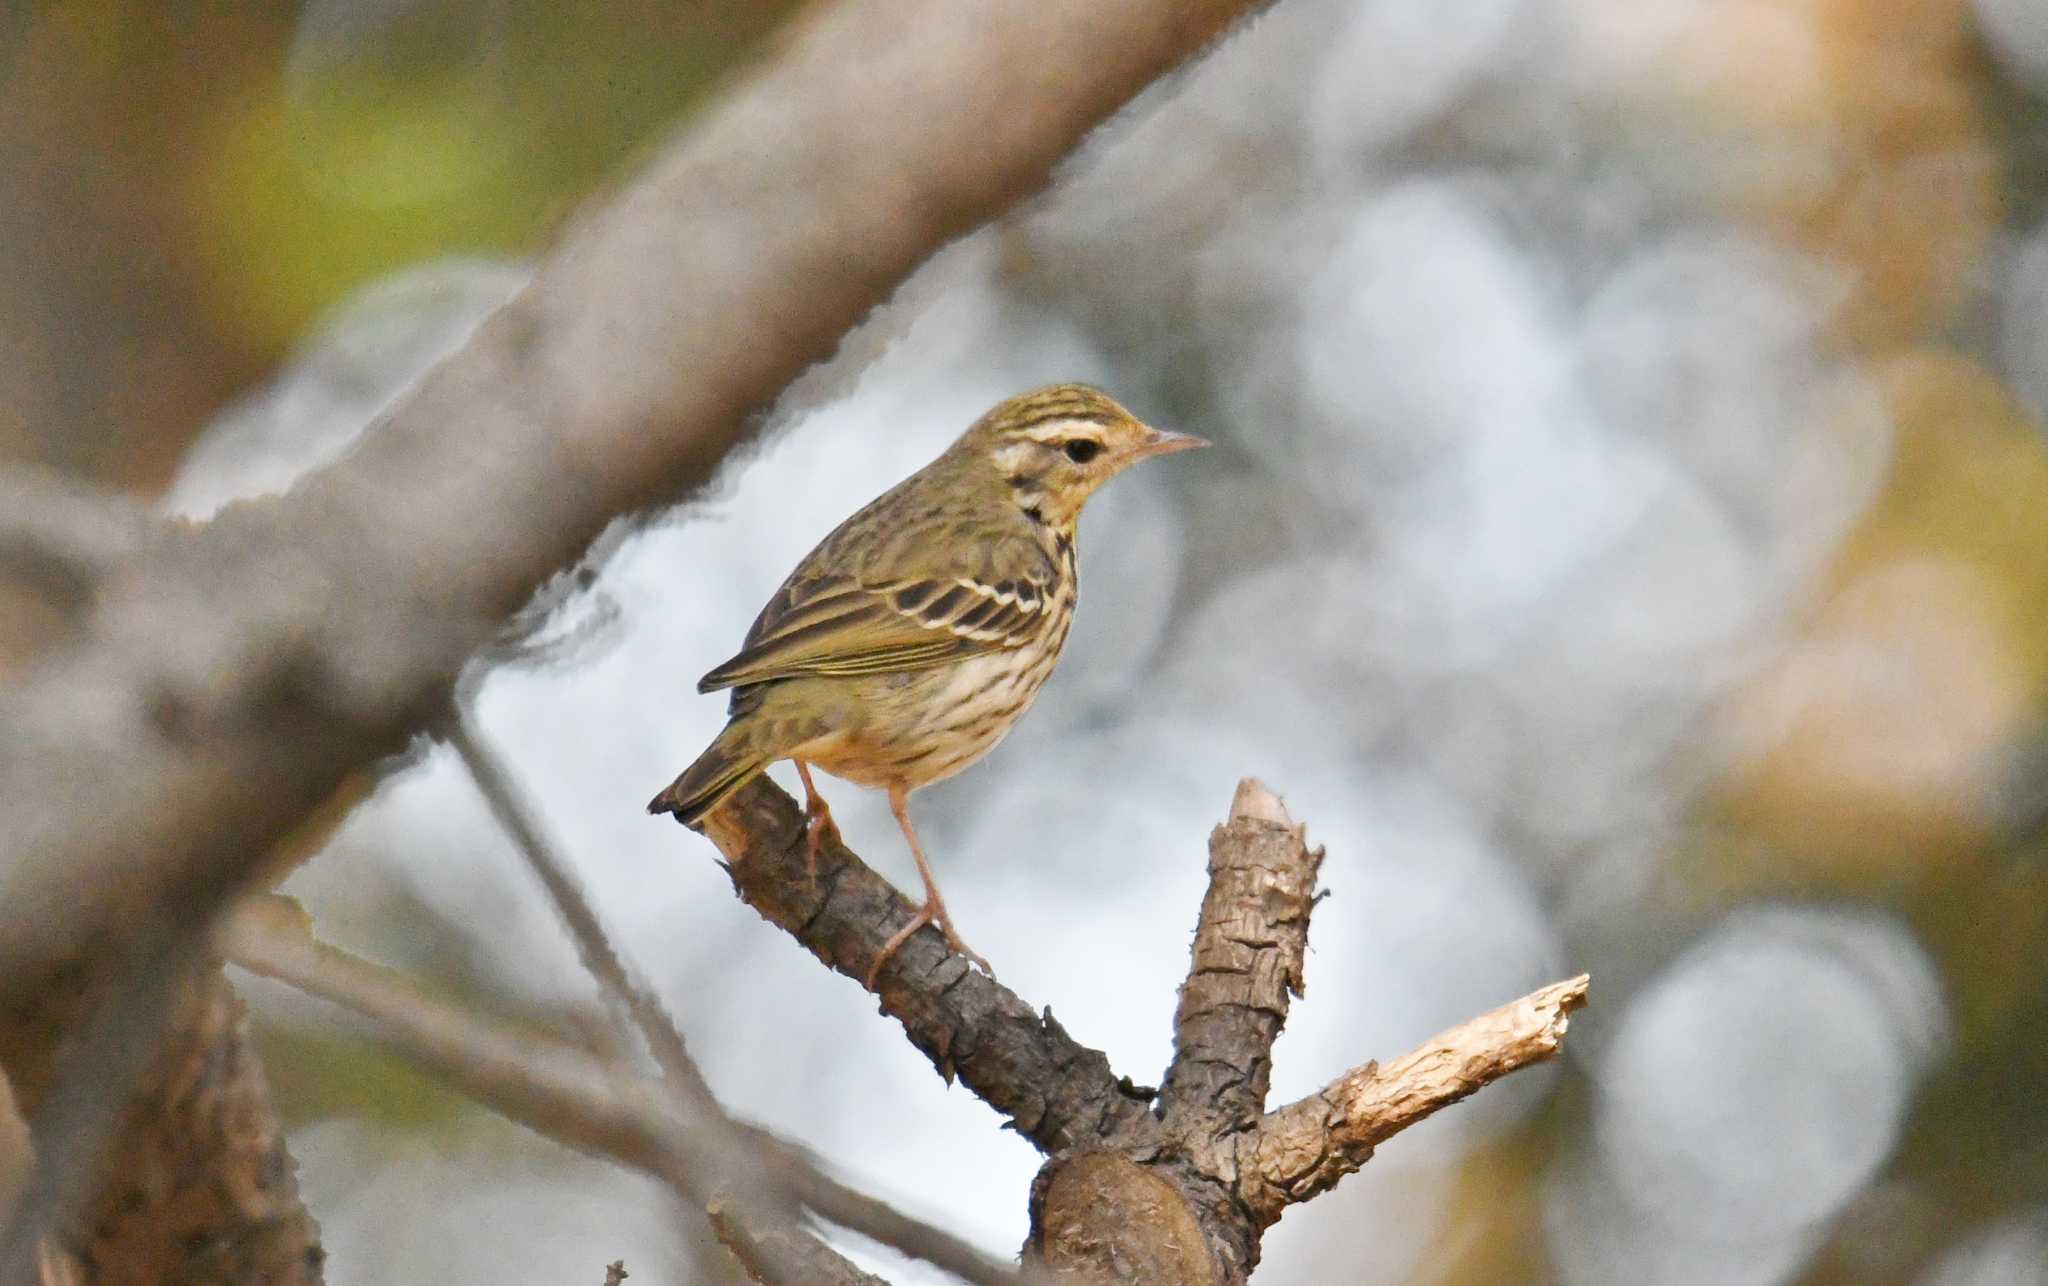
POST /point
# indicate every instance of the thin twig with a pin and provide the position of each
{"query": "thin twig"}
(775, 1255)
(559, 1090)
(803, 1176)
(634, 1007)
(1305, 1148)
(539, 1081)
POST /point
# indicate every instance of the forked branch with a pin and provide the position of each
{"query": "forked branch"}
(1181, 1192)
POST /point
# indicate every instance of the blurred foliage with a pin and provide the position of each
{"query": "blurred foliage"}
(187, 186)
(190, 184)
(451, 127)
(1898, 702)
(323, 1072)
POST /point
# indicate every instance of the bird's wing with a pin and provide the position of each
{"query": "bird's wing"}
(836, 624)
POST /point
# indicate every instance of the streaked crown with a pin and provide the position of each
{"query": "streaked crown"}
(1054, 446)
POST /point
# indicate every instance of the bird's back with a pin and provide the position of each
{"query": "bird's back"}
(934, 570)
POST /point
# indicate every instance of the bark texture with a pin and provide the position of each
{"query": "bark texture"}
(1055, 1091)
(1251, 945)
(219, 688)
(198, 1189)
(1179, 1190)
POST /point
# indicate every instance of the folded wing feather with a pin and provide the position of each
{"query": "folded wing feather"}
(838, 625)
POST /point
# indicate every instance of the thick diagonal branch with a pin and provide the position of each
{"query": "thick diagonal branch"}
(1057, 1092)
(1250, 944)
(1305, 1148)
(228, 687)
(256, 661)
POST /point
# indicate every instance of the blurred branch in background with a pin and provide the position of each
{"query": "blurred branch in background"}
(60, 537)
(1625, 541)
(572, 1096)
(202, 1189)
(636, 1012)
(188, 187)
(230, 682)
(747, 1215)
(62, 530)
(1129, 1194)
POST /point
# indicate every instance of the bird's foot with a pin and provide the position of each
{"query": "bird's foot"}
(932, 912)
(959, 947)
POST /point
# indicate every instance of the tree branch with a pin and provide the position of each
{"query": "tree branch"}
(1248, 958)
(802, 1176)
(798, 1174)
(1303, 1149)
(229, 685)
(1057, 1093)
(760, 1235)
(200, 1187)
(634, 1008)
(59, 540)
(780, 1252)
(67, 534)
(559, 1090)
(1125, 1196)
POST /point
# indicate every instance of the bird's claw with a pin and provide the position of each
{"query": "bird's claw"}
(931, 913)
(960, 948)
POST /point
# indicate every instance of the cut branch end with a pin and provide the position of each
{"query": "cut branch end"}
(1307, 1147)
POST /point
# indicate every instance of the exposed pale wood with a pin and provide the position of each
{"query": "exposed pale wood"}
(1303, 1149)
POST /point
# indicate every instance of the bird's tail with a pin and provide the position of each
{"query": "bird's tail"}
(727, 764)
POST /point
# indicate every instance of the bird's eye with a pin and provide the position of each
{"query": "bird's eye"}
(1082, 450)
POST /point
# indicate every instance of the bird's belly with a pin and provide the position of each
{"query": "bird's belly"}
(923, 726)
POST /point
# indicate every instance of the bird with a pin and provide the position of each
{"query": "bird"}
(912, 638)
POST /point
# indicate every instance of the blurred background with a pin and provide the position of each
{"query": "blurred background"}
(1626, 549)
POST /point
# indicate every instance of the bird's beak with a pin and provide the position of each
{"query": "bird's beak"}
(1166, 442)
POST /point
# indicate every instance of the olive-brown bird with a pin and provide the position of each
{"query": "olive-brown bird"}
(907, 643)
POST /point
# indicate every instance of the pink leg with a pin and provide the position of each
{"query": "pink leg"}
(817, 819)
(934, 908)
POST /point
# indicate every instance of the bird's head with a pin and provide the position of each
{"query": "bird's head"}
(1053, 447)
